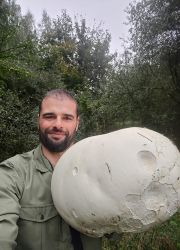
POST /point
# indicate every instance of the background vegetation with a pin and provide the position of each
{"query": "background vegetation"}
(140, 87)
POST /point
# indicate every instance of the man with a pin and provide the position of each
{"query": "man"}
(28, 218)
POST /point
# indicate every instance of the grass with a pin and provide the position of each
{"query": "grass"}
(164, 237)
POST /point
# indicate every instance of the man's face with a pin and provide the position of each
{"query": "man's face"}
(57, 123)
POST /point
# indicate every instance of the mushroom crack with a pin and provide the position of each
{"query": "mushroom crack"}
(144, 137)
(109, 169)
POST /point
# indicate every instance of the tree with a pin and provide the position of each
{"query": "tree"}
(155, 42)
(156, 35)
(79, 53)
(16, 45)
(93, 57)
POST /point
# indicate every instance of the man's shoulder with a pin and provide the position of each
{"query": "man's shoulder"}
(18, 160)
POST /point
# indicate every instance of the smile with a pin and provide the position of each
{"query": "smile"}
(57, 136)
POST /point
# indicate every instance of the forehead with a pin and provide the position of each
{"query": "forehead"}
(58, 104)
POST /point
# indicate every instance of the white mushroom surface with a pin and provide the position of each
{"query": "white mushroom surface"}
(124, 181)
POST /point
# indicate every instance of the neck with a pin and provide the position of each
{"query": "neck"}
(52, 157)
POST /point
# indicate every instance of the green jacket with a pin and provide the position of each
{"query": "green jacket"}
(28, 218)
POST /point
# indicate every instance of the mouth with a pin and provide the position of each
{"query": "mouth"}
(57, 135)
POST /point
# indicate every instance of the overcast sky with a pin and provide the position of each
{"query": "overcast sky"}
(109, 12)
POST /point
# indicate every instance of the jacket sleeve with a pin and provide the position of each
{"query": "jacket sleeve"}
(90, 243)
(9, 206)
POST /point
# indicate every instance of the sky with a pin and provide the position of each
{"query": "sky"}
(109, 12)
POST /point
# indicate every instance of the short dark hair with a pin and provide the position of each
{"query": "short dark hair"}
(60, 93)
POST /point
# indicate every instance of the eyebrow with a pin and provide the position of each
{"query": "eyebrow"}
(48, 113)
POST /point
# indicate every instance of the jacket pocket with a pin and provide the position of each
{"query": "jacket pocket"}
(32, 227)
(41, 228)
(38, 214)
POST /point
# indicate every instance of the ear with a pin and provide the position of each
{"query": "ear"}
(77, 123)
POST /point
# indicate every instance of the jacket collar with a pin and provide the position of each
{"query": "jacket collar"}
(43, 165)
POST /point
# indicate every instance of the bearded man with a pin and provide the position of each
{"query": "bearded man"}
(28, 218)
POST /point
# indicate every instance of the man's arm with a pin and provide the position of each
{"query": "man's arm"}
(9, 207)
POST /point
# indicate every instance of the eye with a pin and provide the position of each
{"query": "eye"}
(49, 116)
(68, 117)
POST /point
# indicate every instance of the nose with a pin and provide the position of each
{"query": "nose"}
(58, 123)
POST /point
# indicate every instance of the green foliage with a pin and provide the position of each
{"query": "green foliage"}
(80, 54)
(155, 42)
(17, 130)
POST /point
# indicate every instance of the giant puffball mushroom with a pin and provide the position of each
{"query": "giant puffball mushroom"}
(124, 181)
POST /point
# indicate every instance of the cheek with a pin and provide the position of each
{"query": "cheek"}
(71, 128)
(43, 125)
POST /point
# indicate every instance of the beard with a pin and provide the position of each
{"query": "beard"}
(56, 146)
